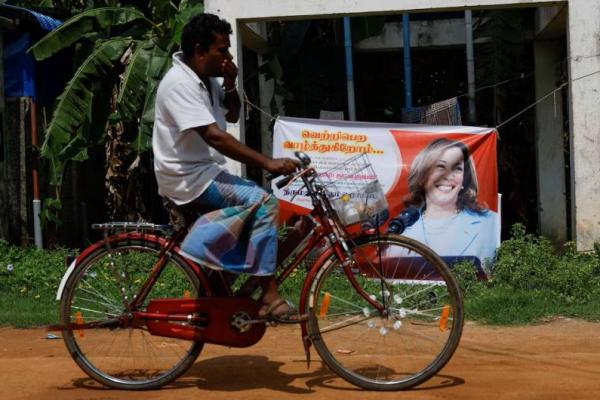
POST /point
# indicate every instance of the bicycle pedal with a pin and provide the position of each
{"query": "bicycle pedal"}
(276, 321)
(257, 321)
(267, 321)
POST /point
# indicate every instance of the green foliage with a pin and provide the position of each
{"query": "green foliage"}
(96, 20)
(530, 281)
(465, 275)
(50, 211)
(127, 44)
(524, 261)
(30, 271)
(528, 262)
(501, 305)
(577, 277)
(187, 9)
(26, 310)
(73, 128)
(159, 62)
(291, 287)
(132, 94)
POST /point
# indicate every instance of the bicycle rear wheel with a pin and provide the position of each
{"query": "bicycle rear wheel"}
(406, 342)
(116, 355)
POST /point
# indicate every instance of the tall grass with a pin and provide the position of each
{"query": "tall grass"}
(29, 278)
(23, 310)
(530, 281)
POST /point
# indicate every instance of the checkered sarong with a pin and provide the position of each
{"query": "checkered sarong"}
(240, 236)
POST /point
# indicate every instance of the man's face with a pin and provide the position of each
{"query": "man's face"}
(213, 60)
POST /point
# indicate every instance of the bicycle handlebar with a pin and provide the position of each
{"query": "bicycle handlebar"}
(304, 161)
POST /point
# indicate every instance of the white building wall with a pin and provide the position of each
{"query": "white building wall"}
(583, 52)
(235, 129)
(551, 185)
(303, 9)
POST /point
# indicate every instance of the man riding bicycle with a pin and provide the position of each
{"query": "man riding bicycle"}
(189, 140)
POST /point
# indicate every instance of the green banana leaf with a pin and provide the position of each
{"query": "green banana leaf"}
(160, 62)
(133, 87)
(94, 20)
(166, 10)
(75, 125)
(185, 14)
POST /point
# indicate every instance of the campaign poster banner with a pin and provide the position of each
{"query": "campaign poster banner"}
(440, 182)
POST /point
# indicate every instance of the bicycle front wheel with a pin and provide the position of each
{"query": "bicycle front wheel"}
(388, 320)
(114, 354)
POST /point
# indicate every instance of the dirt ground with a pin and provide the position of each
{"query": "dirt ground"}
(555, 360)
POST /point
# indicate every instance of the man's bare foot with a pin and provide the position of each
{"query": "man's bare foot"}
(281, 311)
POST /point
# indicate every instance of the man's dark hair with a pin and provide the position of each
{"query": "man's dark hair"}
(201, 30)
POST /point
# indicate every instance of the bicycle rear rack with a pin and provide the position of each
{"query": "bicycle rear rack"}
(132, 227)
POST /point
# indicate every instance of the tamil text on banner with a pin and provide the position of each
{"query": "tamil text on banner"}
(440, 182)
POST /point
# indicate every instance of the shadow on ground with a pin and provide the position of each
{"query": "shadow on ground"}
(247, 372)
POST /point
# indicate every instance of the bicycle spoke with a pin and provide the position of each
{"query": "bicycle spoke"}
(385, 350)
(346, 302)
(346, 313)
(101, 289)
(95, 292)
(418, 292)
(94, 311)
(344, 324)
(111, 306)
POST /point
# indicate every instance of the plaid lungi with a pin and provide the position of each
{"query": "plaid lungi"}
(240, 235)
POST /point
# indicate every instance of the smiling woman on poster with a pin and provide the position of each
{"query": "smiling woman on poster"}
(442, 209)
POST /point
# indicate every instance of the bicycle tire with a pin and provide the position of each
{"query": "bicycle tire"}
(126, 358)
(389, 352)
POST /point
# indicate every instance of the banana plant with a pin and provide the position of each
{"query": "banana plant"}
(128, 52)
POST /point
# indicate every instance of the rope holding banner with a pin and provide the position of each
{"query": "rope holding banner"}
(531, 105)
(247, 101)
(551, 93)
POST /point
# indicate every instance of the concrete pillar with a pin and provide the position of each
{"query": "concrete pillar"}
(233, 166)
(583, 49)
(266, 90)
(552, 202)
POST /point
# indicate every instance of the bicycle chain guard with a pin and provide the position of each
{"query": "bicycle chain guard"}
(223, 320)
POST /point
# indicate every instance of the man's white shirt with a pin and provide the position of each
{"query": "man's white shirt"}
(184, 164)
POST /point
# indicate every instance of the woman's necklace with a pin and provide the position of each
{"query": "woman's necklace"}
(436, 226)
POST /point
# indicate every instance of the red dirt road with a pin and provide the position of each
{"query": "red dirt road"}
(556, 360)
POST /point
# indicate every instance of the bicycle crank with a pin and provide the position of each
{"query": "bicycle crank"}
(229, 321)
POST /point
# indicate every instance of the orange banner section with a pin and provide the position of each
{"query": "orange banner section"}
(440, 182)
(391, 148)
(483, 153)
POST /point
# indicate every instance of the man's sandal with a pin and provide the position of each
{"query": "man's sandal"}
(281, 311)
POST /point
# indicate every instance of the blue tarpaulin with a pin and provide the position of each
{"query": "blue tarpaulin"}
(46, 23)
(19, 66)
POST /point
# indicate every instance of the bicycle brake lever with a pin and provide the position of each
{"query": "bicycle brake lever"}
(297, 193)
